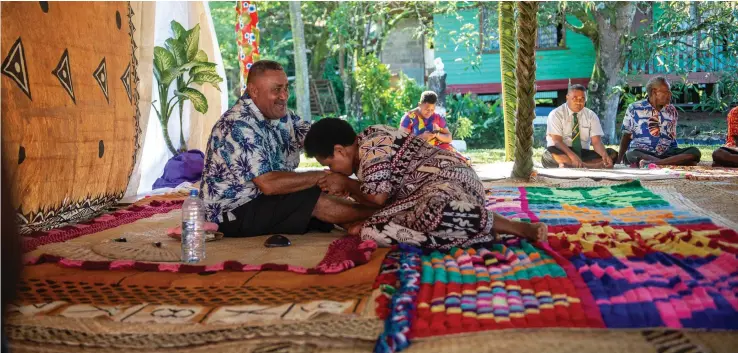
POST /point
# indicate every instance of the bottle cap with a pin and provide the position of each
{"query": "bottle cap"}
(193, 193)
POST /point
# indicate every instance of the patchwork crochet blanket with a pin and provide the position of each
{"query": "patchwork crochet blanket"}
(617, 257)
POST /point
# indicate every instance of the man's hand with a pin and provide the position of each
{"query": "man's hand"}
(607, 161)
(334, 184)
(576, 162)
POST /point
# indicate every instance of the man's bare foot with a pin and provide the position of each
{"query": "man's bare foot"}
(534, 232)
(355, 228)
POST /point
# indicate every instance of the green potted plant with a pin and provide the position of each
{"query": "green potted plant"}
(181, 61)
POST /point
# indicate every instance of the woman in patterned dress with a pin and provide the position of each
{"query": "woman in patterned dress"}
(424, 196)
(424, 122)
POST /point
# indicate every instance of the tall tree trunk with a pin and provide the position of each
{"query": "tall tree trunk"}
(320, 54)
(610, 47)
(355, 94)
(526, 89)
(344, 75)
(302, 80)
(507, 69)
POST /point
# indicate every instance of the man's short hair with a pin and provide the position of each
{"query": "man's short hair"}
(325, 134)
(262, 66)
(428, 97)
(576, 87)
(657, 80)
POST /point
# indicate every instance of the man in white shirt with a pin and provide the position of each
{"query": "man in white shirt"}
(570, 130)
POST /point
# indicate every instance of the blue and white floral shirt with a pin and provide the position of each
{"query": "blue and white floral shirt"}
(653, 131)
(243, 145)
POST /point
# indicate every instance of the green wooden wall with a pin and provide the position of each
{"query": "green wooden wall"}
(576, 61)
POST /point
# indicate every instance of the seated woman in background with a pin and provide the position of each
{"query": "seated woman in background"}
(423, 195)
(425, 123)
(727, 156)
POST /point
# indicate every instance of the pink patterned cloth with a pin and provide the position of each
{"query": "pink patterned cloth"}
(99, 224)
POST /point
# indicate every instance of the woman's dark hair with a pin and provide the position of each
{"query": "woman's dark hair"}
(428, 97)
(325, 134)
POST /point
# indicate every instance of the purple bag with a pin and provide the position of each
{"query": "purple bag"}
(186, 166)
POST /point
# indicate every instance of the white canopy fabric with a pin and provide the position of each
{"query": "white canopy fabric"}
(152, 21)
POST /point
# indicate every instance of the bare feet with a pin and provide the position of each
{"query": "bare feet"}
(355, 228)
(534, 232)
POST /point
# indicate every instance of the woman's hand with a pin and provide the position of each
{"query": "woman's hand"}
(428, 136)
(334, 184)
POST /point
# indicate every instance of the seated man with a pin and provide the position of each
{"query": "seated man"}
(423, 121)
(727, 156)
(249, 185)
(650, 125)
(570, 129)
(424, 196)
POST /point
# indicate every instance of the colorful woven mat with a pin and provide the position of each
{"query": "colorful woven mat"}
(618, 257)
(703, 172)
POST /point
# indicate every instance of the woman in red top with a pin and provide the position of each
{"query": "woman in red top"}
(727, 156)
(423, 121)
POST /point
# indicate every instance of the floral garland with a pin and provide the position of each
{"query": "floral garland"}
(247, 38)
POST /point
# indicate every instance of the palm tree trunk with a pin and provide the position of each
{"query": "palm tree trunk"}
(302, 81)
(526, 90)
(507, 69)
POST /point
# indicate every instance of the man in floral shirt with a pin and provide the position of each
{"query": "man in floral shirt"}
(649, 130)
(249, 184)
(727, 156)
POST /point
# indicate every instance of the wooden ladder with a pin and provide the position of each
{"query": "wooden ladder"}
(322, 98)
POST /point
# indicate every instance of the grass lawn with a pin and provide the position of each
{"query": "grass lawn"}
(492, 155)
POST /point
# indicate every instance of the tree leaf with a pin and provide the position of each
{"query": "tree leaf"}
(178, 50)
(192, 42)
(206, 77)
(201, 56)
(196, 97)
(177, 29)
(163, 60)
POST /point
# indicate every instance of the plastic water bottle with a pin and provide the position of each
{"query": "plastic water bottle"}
(193, 229)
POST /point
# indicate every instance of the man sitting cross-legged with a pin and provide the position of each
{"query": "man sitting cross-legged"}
(249, 185)
(649, 130)
(570, 129)
(727, 156)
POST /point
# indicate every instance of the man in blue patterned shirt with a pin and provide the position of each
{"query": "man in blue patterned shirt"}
(649, 130)
(249, 184)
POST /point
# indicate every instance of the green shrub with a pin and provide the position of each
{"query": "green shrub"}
(406, 95)
(373, 81)
(462, 129)
(486, 130)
